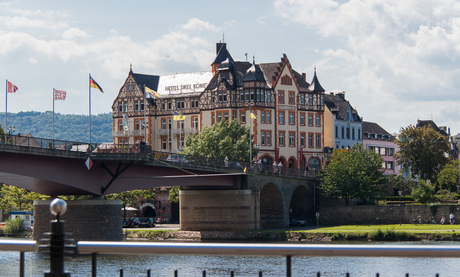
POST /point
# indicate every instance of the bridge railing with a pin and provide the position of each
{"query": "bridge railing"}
(144, 152)
(242, 249)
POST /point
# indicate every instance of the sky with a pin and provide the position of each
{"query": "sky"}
(397, 61)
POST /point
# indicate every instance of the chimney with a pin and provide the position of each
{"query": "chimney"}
(304, 76)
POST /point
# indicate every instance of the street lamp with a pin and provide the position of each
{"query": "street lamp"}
(400, 193)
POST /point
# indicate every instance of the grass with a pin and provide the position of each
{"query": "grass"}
(421, 228)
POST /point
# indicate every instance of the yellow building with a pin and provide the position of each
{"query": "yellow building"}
(289, 111)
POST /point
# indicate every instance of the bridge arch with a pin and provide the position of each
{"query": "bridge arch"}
(147, 210)
(301, 206)
(271, 207)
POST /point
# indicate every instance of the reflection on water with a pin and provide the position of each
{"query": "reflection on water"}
(216, 266)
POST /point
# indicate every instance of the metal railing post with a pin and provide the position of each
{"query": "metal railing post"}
(288, 266)
(93, 264)
(21, 264)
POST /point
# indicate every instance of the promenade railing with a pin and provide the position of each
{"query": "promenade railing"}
(95, 248)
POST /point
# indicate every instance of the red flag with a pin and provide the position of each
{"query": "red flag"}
(59, 94)
(11, 88)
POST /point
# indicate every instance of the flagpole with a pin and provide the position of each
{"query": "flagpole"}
(89, 88)
(6, 106)
(145, 119)
(250, 131)
(53, 117)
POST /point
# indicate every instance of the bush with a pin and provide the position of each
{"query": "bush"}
(13, 227)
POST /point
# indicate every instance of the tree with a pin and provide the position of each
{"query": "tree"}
(353, 173)
(14, 198)
(174, 194)
(449, 177)
(423, 151)
(425, 192)
(223, 139)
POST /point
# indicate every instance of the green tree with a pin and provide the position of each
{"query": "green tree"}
(425, 192)
(353, 173)
(423, 151)
(400, 183)
(174, 194)
(449, 177)
(131, 197)
(223, 139)
(17, 199)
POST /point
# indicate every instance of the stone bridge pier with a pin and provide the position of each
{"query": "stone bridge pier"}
(260, 202)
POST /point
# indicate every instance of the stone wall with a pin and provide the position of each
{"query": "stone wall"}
(93, 220)
(218, 210)
(379, 214)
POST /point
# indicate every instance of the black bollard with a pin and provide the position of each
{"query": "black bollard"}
(57, 242)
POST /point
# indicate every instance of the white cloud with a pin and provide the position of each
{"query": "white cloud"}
(195, 24)
(395, 56)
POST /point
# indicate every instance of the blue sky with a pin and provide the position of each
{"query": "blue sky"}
(397, 61)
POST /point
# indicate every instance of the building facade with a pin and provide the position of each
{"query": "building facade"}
(288, 112)
(342, 124)
(377, 139)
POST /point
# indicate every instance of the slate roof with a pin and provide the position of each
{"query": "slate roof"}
(338, 105)
(254, 73)
(221, 53)
(315, 85)
(430, 123)
(373, 131)
(151, 81)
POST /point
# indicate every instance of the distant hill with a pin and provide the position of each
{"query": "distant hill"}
(70, 127)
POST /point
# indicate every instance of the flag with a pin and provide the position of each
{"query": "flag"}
(150, 93)
(59, 94)
(253, 116)
(94, 84)
(178, 116)
(11, 88)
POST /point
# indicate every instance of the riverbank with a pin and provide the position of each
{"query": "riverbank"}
(405, 232)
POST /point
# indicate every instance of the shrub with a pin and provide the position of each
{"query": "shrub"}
(13, 226)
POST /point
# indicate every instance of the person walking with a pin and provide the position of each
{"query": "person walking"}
(452, 218)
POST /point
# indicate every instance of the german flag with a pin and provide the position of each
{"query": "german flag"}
(94, 84)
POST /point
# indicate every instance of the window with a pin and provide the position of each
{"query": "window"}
(359, 134)
(310, 120)
(219, 117)
(180, 142)
(343, 132)
(302, 119)
(348, 132)
(269, 96)
(243, 117)
(213, 118)
(318, 141)
(281, 138)
(281, 97)
(258, 95)
(291, 119)
(262, 117)
(194, 103)
(180, 104)
(125, 107)
(269, 117)
(310, 100)
(291, 97)
(120, 107)
(269, 138)
(226, 116)
(120, 125)
(352, 133)
(242, 96)
(281, 118)
(169, 124)
(252, 95)
(163, 124)
(291, 139)
(302, 140)
(142, 106)
(136, 124)
(170, 143)
(302, 99)
(169, 105)
(222, 96)
(163, 143)
(390, 152)
(336, 131)
(310, 140)
(262, 138)
(180, 124)
(195, 122)
(136, 106)
(318, 121)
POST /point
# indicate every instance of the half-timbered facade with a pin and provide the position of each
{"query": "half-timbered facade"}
(289, 127)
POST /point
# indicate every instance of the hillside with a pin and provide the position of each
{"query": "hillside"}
(66, 126)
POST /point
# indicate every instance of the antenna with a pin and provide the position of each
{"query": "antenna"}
(223, 37)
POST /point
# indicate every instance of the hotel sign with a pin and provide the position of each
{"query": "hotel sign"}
(188, 87)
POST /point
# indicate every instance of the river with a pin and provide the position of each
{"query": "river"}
(216, 266)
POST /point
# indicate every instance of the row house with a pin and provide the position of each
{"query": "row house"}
(289, 127)
(377, 139)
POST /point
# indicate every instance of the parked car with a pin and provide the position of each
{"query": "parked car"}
(135, 221)
(127, 223)
(297, 222)
(176, 158)
(144, 222)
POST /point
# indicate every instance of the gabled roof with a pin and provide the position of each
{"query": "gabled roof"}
(430, 123)
(221, 53)
(339, 106)
(375, 132)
